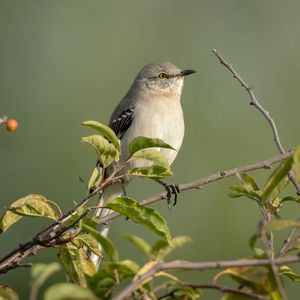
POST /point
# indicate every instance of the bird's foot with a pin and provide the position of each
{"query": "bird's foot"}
(171, 189)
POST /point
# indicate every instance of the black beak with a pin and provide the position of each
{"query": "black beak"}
(187, 72)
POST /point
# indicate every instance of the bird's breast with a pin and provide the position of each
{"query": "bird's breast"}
(157, 118)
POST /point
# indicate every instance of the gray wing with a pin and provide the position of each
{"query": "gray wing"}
(119, 123)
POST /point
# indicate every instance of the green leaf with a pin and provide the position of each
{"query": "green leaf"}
(95, 178)
(142, 142)
(259, 253)
(154, 172)
(248, 181)
(6, 293)
(42, 271)
(162, 248)
(183, 292)
(140, 243)
(89, 241)
(105, 131)
(152, 155)
(279, 188)
(126, 268)
(254, 238)
(292, 199)
(233, 296)
(77, 264)
(33, 205)
(105, 242)
(37, 270)
(239, 191)
(276, 178)
(281, 224)
(287, 271)
(36, 206)
(105, 150)
(68, 291)
(248, 188)
(111, 274)
(296, 163)
(255, 278)
(141, 214)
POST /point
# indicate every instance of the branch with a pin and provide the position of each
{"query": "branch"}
(34, 245)
(255, 103)
(289, 242)
(38, 242)
(49, 236)
(220, 288)
(183, 265)
(198, 184)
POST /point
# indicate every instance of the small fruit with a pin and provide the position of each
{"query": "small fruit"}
(11, 125)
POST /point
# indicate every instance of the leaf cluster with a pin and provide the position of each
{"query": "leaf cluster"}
(74, 235)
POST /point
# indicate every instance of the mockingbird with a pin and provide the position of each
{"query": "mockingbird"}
(151, 108)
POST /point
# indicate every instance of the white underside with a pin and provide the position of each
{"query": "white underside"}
(163, 120)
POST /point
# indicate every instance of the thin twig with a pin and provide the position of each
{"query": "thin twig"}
(289, 242)
(255, 103)
(183, 265)
(50, 232)
(220, 288)
(31, 247)
(266, 164)
(268, 241)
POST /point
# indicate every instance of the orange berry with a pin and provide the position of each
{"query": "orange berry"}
(11, 125)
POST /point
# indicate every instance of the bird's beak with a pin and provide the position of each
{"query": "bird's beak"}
(187, 72)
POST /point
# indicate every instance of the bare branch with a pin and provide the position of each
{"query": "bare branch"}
(289, 242)
(33, 245)
(255, 103)
(50, 235)
(266, 164)
(183, 265)
(220, 288)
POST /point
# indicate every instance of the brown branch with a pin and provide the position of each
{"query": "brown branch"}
(289, 242)
(255, 103)
(33, 246)
(266, 164)
(38, 242)
(220, 288)
(197, 266)
(48, 236)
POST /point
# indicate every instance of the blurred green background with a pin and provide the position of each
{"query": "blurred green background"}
(63, 62)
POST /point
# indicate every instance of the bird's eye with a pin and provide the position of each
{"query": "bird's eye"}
(163, 76)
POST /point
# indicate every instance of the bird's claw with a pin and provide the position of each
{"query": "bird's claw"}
(172, 189)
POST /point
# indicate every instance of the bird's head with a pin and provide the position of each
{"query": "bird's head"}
(162, 78)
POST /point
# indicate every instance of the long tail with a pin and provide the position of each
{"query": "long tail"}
(111, 192)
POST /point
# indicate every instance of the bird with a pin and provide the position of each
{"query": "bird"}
(151, 108)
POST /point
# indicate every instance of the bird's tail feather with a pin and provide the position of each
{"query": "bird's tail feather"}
(111, 192)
